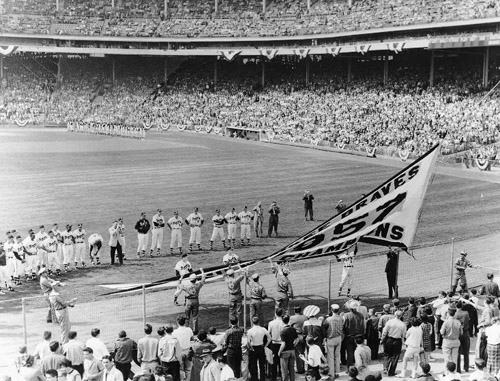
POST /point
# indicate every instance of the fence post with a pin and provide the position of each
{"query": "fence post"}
(329, 285)
(25, 331)
(143, 304)
(245, 304)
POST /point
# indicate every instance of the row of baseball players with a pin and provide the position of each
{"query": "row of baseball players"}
(53, 249)
(195, 221)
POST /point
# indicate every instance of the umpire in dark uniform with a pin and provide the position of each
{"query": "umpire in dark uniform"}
(391, 271)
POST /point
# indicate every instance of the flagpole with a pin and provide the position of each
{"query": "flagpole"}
(329, 285)
(451, 262)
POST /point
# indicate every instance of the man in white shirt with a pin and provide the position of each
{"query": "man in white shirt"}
(110, 371)
(42, 349)
(147, 351)
(73, 351)
(185, 336)
(96, 344)
(274, 327)
(170, 354)
(257, 354)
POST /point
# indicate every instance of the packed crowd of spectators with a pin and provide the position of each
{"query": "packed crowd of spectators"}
(306, 342)
(405, 112)
(243, 18)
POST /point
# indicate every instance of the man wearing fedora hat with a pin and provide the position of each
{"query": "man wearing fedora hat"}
(459, 275)
(192, 289)
(210, 370)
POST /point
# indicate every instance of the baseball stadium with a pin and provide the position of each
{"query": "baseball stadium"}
(112, 109)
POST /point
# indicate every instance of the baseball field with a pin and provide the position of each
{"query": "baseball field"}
(50, 175)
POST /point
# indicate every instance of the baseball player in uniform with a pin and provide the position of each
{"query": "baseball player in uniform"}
(79, 235)
(347, 269)
(230, 258)
(142, 226)
(50, 246)
(175, 225)
(231, 219)
(31, 250)
(57, 234)
(218, 231)
(183, 267)
(195, 221)
(121, 235)
(10, 259)
(41, 253)
(192, 289)
(95, 245)
(157, 234)
(20, 259)
(68, 247)
(245, 218)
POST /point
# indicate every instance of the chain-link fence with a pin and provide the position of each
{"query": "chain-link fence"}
(424, 273)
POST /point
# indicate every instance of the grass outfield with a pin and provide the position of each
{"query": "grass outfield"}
(52, 176)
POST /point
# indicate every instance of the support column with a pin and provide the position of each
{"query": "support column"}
(113, 71)
(216, 6)
(486, 68)
(349, 3)
(263, 77)
(57, 5)
(112, 3)
(308, 5)
(1, 66)
(386, 69)
(165, 72)
(264, 6)
(215, 72)
(308, 70)
(431, 74)
(349, 69)
(59, 64)
(165, 8)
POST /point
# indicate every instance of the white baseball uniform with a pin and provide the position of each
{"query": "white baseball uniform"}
(92, 240)
(31, 252)
(121, 237)
(50, 246)
(245, 218)
(10, 259)
(347, 271)
(80, 254)
(175, 224)
(183, 268)
(195, 220)
(68, 247)
(40, 237)
(231, 219)
(157, 234)
(60, 256)
(20, 265)
(218, 231)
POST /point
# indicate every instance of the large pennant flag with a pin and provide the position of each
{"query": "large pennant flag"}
(388, 215)
(334, 51)
(396, 47)
(363, 48)
(302, 53)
